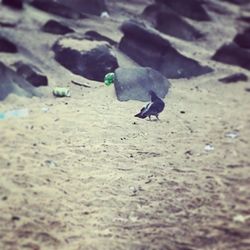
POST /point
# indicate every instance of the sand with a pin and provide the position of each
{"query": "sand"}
(83, 173)
(88, 175)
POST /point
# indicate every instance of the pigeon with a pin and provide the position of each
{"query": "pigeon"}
(155, 107)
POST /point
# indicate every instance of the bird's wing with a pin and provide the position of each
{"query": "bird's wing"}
(154, 108)
(145, 110)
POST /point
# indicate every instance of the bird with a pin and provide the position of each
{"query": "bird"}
(155, 107)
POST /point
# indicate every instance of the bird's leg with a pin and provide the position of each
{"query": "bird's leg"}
(157, 117)
(149, 117)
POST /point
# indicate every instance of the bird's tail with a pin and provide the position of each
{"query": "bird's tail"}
(139, 115)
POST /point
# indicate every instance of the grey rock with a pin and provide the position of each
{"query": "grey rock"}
(135, 83)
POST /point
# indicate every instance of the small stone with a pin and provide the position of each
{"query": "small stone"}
(189, 152)
(232, 134)
(15, 218)
(209, 147)
(234, 78)
(133, 190)
(239, 218)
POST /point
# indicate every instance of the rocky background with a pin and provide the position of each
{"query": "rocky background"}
(82, 172)
(42, 40)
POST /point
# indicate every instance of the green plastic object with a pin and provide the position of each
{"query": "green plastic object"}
(61, 92)
(109, 79)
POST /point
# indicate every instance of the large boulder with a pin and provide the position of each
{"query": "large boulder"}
(232, 54)
(90, 59)
(15, 4)
(32, 74)
(243, 39)
(95, 7)
(135, 83)
(7, 46)
(11, 82)
(170, 23)
(157, 52)
(57, 28)
(56, 8)
(192, 9)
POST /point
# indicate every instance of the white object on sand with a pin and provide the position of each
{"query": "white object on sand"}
(105, 14)
(209, 147)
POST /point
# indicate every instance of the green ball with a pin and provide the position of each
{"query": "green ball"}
(109, 79)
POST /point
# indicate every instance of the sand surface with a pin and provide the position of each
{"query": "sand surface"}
(83, 173)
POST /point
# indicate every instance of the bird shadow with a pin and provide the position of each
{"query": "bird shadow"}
(153, 120)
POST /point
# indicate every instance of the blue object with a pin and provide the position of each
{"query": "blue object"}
(14, 113)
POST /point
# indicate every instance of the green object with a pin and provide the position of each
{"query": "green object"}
(61, 92)
(109, 79)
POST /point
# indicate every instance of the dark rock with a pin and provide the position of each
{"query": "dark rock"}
(217, 7)
(95, 36)
(234, 55)
(244, 19)
(14, 217)
(11, 82)
(192, 9)
(157, 52)
(16, 4)
(95, 7)
(55, 27)
(135, 83)
(56, 8)
(32, 74)
(7, 46)
(168, 22)
(239, 2)
(89, 59)
(8, 20)
(8, 24)
(243, 39)
(234, 78)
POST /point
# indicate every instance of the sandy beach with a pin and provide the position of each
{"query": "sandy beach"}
(83, 173)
